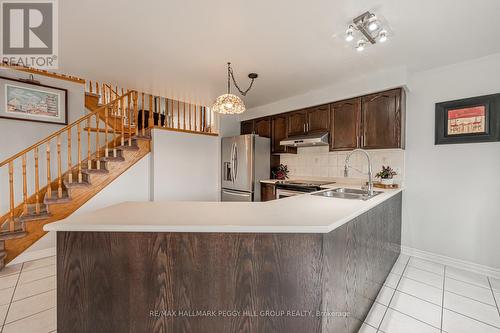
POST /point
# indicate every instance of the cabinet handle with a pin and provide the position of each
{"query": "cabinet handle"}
(357, 141)
(307, 127)
(362, 141)
(304, 128)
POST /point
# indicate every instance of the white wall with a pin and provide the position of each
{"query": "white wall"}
(452, 192)
(452, 199)
(132, 185)
(184, 166)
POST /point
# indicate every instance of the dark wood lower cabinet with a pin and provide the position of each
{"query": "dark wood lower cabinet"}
(226, 282)
(267, 192)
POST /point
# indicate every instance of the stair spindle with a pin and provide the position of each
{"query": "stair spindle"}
(136, 112)
(172, 109)
(129, 122)
(165, 123)
(70, 161)
(11, 188)
(97, 88)
(190, 127)
(25, 185)
(49, 177)
(195, 110)
(90, 87)
(37, 182)
(151, 120)
(122, 123)
(115, 129)
(97, 154)
(143, 116)
(59, 168)
(178, 114)
(79, 139)
(184, 115)
(106, 149)
(204, 119)
(89, 160)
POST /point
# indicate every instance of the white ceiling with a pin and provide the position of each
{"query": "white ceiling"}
(179, 48)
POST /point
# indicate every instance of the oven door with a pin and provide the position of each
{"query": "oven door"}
(282, 193)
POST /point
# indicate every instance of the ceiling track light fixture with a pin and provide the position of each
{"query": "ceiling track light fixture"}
(229, 103)
(370, 29)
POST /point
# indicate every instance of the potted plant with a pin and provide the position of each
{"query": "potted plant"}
(386, 175)
(280, 172)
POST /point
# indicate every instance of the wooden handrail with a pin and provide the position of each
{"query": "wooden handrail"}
(59, 132)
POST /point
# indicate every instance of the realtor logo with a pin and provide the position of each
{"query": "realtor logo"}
(29, 33)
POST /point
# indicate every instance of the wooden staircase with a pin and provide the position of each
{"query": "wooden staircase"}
(121, 149)
(70, 166)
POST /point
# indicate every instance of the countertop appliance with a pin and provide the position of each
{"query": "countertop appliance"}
(288, 188)
(245, 162)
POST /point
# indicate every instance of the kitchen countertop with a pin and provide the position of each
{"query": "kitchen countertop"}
(298, 214)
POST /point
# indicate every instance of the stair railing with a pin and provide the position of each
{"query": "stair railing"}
(161, 111)
(114, 115)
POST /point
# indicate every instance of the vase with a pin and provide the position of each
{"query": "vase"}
(387, 181)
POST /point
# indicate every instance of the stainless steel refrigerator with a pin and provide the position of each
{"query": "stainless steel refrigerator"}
(245, 161)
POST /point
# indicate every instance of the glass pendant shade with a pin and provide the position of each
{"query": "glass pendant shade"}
(228, 104)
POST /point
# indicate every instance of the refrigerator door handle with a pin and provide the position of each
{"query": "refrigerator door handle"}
(233, 176)
(235, 161)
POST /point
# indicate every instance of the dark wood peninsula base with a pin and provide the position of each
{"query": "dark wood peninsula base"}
(226, 282)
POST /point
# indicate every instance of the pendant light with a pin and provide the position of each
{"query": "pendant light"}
(229, 103)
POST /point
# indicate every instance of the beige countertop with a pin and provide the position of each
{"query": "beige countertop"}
(298, 214)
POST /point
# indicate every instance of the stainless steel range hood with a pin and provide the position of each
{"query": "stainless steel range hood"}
(310, 140)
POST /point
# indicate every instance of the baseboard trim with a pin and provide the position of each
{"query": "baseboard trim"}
(33, 255)
(453, 262)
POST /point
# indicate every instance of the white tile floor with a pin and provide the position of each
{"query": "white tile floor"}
(28, 297)
(418, 296)
(421, 296)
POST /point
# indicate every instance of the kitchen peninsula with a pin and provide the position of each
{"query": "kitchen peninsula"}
(301, 264)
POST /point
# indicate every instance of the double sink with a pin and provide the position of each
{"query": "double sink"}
(347, 193)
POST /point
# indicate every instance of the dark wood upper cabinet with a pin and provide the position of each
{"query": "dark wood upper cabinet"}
(297, 123)
(279, 132)
(382, 120)
(318, 119)
(262, 127)
(247, 127)
(345, 124)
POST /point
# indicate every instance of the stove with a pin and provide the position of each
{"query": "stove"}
(288, 188)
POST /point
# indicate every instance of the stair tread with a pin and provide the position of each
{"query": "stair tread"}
(12, 234)
(76, 184)
(54, 198)
(32, 215)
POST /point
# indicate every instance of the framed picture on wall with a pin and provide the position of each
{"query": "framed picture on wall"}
(30, 101)
(468, 120)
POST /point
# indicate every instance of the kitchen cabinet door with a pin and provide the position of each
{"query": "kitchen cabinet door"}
(267, 192)
(382, 120)
(262, 127)
(247, 127)
(318, 119)
(279, 132)
(345, 124)
(297, 121)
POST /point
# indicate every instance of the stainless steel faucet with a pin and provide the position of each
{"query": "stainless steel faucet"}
(370, 173)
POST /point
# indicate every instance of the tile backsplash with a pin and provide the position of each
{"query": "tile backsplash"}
(320, 162)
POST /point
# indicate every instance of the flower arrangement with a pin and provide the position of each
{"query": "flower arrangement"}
(386, 173)
(280, 172)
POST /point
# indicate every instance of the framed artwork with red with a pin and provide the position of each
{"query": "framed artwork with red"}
(468, 120)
